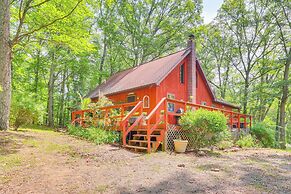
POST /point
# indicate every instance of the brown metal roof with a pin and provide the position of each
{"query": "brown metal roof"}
(143, 75)
(146, 74)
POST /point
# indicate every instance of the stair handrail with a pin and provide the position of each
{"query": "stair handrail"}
(132, 111)
(136, 122)
(125, 121)
(148, 118)
(155, 109)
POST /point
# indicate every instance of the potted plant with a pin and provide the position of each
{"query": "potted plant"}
(180, 145)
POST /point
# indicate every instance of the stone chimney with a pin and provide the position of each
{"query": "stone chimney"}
(192, 70)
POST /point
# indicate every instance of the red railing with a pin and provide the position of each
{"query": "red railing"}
(162, 104)
(124, 123)
(154, 118)
(79, 117)
(234, 118)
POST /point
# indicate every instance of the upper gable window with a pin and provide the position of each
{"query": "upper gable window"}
(146, 101)
(182, 73)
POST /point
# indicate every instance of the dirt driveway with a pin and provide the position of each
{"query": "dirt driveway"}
(36, 161)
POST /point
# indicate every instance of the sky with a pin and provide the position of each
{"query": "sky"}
(210, 8)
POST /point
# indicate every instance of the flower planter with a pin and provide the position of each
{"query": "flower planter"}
(180, 145)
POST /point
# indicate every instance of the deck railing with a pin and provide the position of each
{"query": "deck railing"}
(235, 119)
(159, 115)
(79, 117)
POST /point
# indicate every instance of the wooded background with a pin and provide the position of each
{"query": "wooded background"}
(61, 49)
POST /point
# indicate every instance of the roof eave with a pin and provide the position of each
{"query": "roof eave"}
(130, 89)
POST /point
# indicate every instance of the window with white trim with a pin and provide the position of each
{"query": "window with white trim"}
(171, 106)
(146, 101)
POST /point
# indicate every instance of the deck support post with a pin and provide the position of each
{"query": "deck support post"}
(148, 137)
(230, 120)
(238, 122)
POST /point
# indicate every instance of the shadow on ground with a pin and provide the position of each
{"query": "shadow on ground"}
(265, 180)
(179, 183)
(11, 142)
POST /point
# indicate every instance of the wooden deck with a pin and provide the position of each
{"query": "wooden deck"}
(142, 131)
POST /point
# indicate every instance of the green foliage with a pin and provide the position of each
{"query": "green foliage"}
(103, 101)
(204, 127)
(224, 144)
(226, 140)
(24, 112)
(96, 135)
(264, 134)
(84, 103)
(246, 141)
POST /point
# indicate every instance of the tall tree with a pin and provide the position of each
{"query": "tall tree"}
(248, 22)
(281, 12)
(5, 65)
(26, 10)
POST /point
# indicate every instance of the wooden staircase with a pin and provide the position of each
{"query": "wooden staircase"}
(138, 140)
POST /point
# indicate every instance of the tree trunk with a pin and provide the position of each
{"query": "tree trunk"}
(103, 59)
(5, 65)
(36, 74)
(277, 132)
(62, 100)
(284, 99)
(50, 103)
(246, 95)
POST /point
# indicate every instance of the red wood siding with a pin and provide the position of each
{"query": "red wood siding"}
(204, 95)
(139, 93)
(171, 84)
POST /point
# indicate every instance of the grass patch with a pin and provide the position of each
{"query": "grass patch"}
(31, 143)
(10, 161)
(96, 135)
(58, 148)
(37, 127)
(5, 179)
(101, 188)
(210, 167)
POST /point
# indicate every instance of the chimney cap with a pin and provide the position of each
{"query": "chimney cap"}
(191, 36)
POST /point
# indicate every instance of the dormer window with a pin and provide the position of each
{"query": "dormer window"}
(182, 73)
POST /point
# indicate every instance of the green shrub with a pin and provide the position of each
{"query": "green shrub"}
(226, 140)
(96, 135)
(264, 134)
(246, 141)
(224, 144)
(23, 112)
(204, 127)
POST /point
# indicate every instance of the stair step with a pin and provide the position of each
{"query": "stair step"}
(158, 127)
(136, 147)
(141, 129)
(143, 135)
(142, 141)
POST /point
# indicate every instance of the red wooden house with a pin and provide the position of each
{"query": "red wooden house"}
(168, 83)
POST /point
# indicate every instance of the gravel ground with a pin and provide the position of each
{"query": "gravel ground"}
(38, 161)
